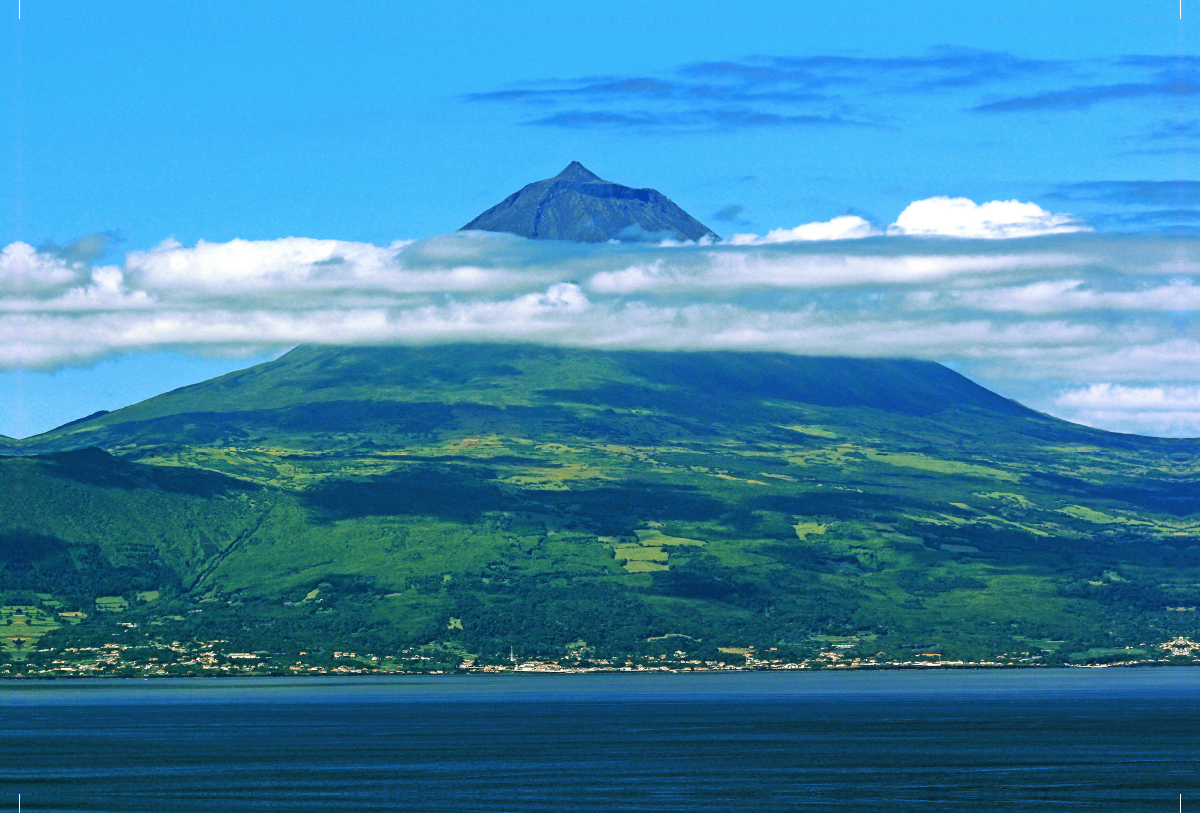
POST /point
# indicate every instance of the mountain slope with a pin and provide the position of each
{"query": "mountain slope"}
(396, 390)
(630, 503)
(84, 522)
(580, 206)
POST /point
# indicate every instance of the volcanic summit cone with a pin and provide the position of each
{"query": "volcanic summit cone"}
(580, 206)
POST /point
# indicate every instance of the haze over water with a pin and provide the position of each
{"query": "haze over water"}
(1015, 741)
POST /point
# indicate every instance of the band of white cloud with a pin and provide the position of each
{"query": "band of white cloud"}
(1072, 308)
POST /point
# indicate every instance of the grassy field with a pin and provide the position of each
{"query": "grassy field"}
(22, 625)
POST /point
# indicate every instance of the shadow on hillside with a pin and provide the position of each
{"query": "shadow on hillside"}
(466, 493)
(96, 467)
(458, 494)
(38, 562)
(1180, 497)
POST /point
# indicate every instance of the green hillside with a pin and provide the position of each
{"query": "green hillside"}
(465, 500)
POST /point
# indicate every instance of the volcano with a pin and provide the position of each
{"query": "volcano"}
(578, 205)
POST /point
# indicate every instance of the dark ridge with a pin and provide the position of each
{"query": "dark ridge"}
(85, 419)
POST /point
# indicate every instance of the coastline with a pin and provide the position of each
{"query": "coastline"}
(326, 674)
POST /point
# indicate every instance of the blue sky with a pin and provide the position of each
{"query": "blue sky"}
(376, 122)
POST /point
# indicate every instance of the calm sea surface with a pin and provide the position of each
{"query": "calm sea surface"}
(1075, 740)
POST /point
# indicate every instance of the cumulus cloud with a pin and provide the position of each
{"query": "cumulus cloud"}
(998, 219)
(933, 217)
(302, 264)
(244, 265)
(846, 227)
(1072, 308)
(25, 269)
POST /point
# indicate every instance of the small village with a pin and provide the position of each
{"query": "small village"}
(144, 655)
(213, 659)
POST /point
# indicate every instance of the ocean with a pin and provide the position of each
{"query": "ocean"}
(1079, 740)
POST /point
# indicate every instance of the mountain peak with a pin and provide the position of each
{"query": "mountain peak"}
(579, 205)
(576, 171)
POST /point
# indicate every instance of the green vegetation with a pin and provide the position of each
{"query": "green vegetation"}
(433, 505)
(22, 625)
